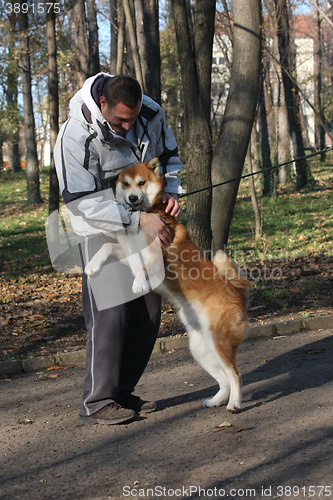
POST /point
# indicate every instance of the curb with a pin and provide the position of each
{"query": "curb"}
(167, 344)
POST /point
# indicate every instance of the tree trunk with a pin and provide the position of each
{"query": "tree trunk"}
(283, 137)
(95, 66)
(33, 187)
(81, 41)
(197, 125)
(11, 92)
(303, 175)
(113, 36)
(264, 141)
(134, 44)
(147, 30)
(238, 117)
(121, 41)
(254, 199)
(204, 27)
(53, 105)
(319, 118)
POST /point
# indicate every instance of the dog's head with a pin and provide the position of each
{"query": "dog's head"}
(140, 186)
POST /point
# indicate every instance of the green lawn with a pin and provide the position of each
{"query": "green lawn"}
(23, 241)
(294, 224)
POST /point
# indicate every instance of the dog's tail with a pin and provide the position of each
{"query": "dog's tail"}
(230, 271)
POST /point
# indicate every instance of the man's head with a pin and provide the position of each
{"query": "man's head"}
(121, 101)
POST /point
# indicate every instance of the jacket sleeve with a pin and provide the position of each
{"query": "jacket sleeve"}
(92, 211)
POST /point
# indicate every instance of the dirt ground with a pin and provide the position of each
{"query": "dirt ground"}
(279, 446)
(41, 314)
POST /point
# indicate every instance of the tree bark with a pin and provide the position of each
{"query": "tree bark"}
(95, 66)
(303, 175)
(204, 37)
(53, 105)
(283, 137)
(264, 141)
(113, 35)
(147, 30)
(121, 41)
(197, 125)
(319, 118)
(254, 199)
(238, 117)
(33, 186)
(134, 44)
(81, 41)
(12, 135)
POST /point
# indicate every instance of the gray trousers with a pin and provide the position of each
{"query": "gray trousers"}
(120, 342)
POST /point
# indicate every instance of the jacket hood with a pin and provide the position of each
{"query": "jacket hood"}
(84, 96)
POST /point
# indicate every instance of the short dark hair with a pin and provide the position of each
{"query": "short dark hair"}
(122, 88)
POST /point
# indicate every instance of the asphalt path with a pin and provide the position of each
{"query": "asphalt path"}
(279, 446)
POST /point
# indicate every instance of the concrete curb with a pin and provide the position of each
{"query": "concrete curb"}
(167, 344)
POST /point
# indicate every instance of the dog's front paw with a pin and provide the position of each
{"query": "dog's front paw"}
(209, 403)
(140, 285)
(91, 269)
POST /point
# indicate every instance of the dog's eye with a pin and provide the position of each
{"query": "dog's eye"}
(125, 184)
(142, 183)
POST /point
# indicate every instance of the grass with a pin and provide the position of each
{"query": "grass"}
(294, 224)
(23, 241)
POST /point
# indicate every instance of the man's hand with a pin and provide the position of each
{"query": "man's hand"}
(159, 226)
(172, 205)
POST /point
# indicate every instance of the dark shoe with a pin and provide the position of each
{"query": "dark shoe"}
(110, 414)
(137, 404)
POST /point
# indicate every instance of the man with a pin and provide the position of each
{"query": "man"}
(110, 127)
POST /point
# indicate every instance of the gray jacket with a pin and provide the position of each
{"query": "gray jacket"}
(89, 155)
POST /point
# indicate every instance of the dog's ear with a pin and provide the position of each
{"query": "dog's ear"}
(154, 165)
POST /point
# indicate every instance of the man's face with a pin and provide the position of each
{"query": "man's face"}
(120, 116)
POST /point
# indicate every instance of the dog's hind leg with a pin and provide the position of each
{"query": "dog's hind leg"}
(227, 357)
(209, 362)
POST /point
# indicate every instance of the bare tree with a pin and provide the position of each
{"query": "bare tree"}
(195, 57)
(53, 105)
(33, 186)
(95, 66)
(147, 30)
(238, 117)
(254, 198)
(11, 121)
(121, 41)
(80, 46)
(303, 175)
(264, 141)
(133, 42)
(113, 35)
(319, 118)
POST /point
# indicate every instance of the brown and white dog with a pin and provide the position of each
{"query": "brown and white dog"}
(210, 296)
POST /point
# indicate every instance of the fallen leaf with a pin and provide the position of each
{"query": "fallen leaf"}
(221, 426)
(59, 367)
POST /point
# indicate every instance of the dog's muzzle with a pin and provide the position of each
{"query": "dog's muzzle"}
(134, 200)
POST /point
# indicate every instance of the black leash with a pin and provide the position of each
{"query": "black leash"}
(325, 150)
